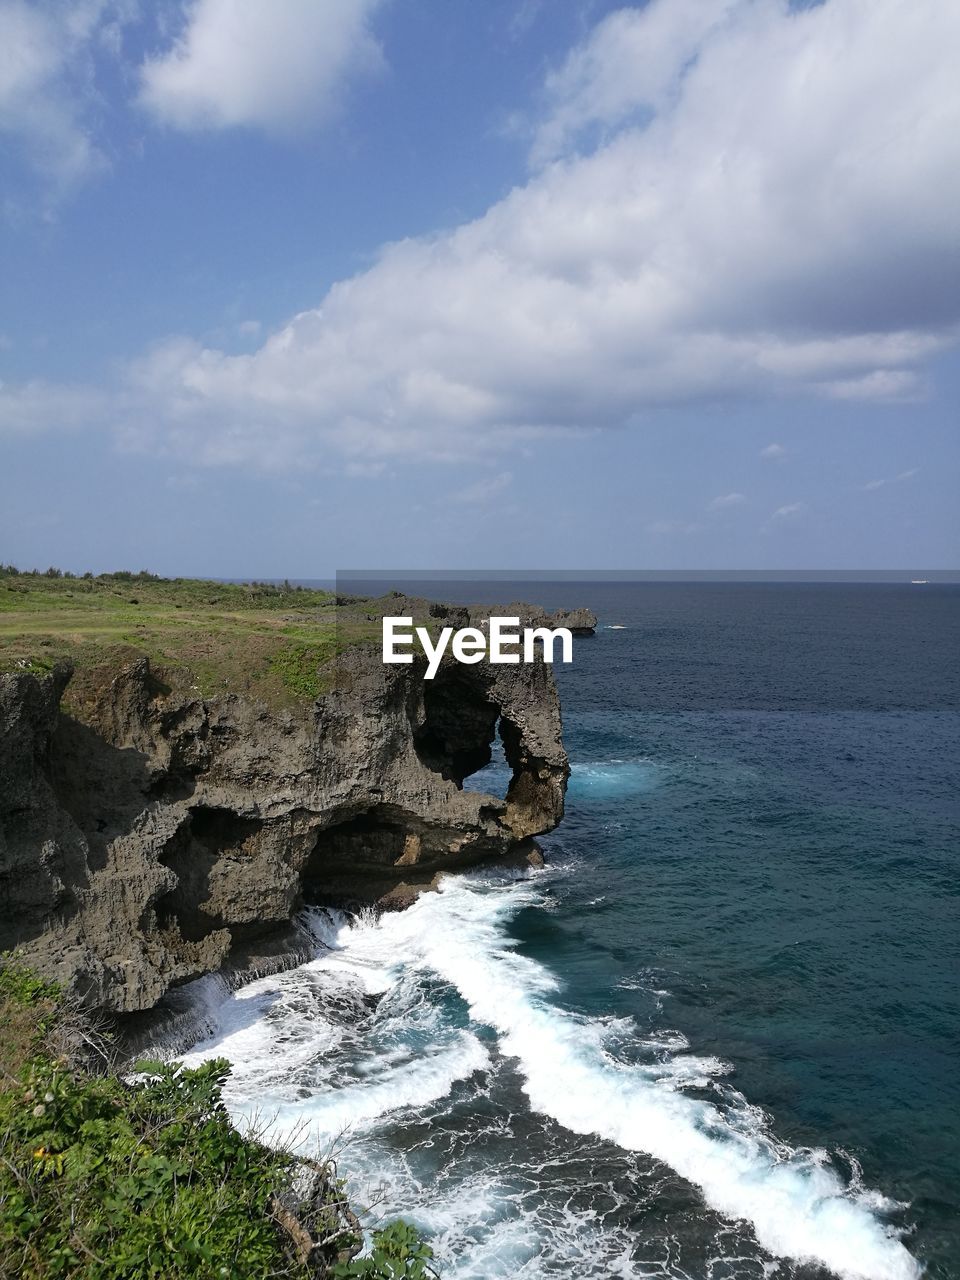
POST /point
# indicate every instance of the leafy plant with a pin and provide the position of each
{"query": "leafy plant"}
(397, 1253)
(101, 1179)
(22, 986)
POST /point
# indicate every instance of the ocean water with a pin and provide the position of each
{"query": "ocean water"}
(719, 1034)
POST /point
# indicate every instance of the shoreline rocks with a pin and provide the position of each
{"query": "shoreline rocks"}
(166, 836)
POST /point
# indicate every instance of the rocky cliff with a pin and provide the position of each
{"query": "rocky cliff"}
(158, 835)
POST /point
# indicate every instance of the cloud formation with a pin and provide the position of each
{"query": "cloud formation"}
(279, 66)
(730, 200)
(482, 491)
(628, 68)
(872, 485)
(46, 84)
(725, 501)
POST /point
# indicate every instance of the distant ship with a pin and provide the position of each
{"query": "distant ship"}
(918, 582)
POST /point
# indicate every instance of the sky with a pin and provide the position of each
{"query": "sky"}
(303, 285)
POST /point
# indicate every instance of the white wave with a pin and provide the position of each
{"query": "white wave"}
(325, 1116)
(512, 1243)
(273, 1026)
(798, 1206)
(261, 1034)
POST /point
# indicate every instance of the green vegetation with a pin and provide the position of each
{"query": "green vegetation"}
(397, 1252)
(272, 642)
(302, 667)
(102, 1179)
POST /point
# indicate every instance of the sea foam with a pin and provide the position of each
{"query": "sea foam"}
(797, 1204)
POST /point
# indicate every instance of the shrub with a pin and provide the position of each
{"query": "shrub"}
(398, 1253)
(104, 1179)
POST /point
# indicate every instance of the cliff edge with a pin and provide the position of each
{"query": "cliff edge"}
(155, 834)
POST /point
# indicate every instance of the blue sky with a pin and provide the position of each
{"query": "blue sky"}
(295, 286)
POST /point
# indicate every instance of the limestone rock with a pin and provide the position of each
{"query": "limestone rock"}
(168, 835)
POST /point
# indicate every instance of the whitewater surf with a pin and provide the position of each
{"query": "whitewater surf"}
(396, 1014)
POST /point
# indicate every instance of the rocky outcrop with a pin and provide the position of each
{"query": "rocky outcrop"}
(160, 835)
(580, 622)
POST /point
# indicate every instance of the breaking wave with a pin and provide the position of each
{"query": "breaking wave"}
(401, 1016)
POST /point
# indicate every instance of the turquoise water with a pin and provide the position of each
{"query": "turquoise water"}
(718, 1035)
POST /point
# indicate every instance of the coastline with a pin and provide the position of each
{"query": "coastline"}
(155, 835)
(160, 842)
(650, 788)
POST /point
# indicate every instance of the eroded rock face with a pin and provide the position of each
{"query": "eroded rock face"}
(167, 835)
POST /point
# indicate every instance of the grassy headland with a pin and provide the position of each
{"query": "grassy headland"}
(270, 642)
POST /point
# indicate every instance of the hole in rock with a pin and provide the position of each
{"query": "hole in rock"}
(370, 839)
(496, 777)
(458, 737)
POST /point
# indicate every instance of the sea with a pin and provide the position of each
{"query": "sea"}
(717, 1036)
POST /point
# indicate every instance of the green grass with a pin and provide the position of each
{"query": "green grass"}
(271, 643)
(275, 644)
(301, 666)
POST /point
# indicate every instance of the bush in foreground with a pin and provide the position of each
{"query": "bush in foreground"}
(102, 1179)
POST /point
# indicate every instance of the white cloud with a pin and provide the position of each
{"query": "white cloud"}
(773, 451)
(726, 500)
(631, 63)
(772, 212)
(871, 485)
(524, 17)
(47, 84)
(483, 490)
(879, 384)
(34, 407)
(278, 66)
(787, 512)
